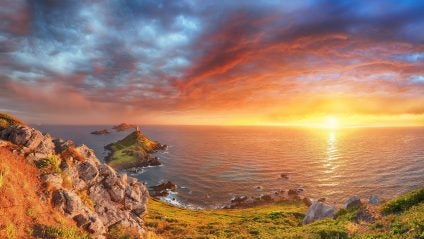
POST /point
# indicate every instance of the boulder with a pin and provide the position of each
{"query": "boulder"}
(307, 201)
(87, 171)
(318, 211)
(353, 202)
(374, 199)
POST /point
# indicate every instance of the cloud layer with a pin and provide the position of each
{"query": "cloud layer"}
(197, 62)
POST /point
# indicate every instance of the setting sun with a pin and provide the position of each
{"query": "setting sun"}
(331, 122)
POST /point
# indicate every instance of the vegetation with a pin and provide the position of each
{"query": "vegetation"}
(22, 213)
(49, 164)
(7, 120)
(404, 202)
(43, 231)
(403, 218)
(119, 232)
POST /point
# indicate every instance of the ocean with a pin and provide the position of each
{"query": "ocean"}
(212, 164)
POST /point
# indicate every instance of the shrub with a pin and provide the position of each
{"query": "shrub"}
(86, 199)
(11, 231)
(49, 164)
(404, 202)
(118, 231)
(43, 231)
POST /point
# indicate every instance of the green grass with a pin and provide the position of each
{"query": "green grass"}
(404, 202)
(49, 164)
(284, 220)
(135, 142)
(43, 231)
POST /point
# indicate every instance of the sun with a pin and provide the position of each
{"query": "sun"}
(331, 122)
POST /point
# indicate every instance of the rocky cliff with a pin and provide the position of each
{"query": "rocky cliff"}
(77, 184)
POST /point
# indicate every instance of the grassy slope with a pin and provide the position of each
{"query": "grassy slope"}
(284, 221)
(135, 142)
(6, 120)
(22, 213)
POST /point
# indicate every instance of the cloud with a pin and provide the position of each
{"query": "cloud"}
(218, 58)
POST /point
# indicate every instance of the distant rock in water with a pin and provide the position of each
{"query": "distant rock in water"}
(162, 190)
(124, 126)
(133, 151)
(100, 132)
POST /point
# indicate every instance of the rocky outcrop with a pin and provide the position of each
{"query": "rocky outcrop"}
(162, 190)
(124, 126)
(318, 211)
(133, 151)
(100, 132)
(353, 202)
(93, 194)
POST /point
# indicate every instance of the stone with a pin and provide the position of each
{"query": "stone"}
(307, 201)
(284, 176)
(80, 220)
(116, 193)
(353, 202)
(374, 199)
(57, 198)
(318, 211)
(87, 171)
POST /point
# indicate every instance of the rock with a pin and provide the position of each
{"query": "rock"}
(294, 191)
(116, 193)
(353, 202)
(162, 189)
(57, 198)
(53, 180)
(239, 199)
(317, 211)
(321, 200)
(266, 198)
(80, 220)
(307, 201)
(284, 176)
(374, 199)
(101, 132)
(124, 126)
(31, 141)
(87, 171)
(60, 145)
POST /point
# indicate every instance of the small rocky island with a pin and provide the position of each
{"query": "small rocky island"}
(124, 126)
(133, 151)
(101, 132)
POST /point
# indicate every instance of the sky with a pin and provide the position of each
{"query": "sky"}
(213, 62)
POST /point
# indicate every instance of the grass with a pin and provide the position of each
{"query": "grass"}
(7, 120)
(49, 164)
(43, 231)
(2, 178)
(134, 142)
(404, 202)
(284, 220)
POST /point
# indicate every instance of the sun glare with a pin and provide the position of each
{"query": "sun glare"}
(331, 122)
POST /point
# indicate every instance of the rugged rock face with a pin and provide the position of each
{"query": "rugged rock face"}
(317, 211)
(93, 194)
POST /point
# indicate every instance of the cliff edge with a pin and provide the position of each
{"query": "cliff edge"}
(76, 184)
